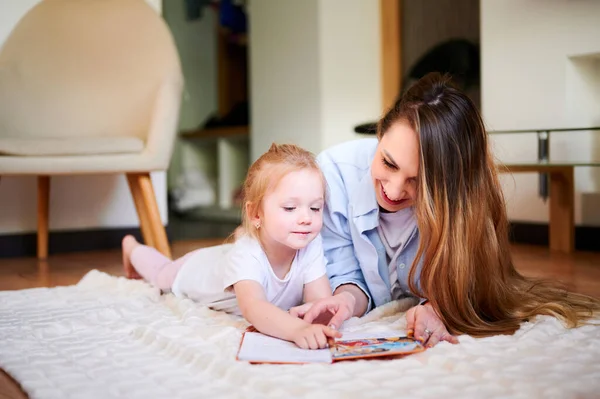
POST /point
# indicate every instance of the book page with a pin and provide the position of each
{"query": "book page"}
(259, 348)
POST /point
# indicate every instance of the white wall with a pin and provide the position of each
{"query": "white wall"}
(315, 71)
(350, 67)
(76, 202)
(284, 74)
(540, 69)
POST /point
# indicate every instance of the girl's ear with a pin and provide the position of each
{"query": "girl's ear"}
(253, 214)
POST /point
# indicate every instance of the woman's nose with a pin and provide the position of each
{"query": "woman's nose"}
(396, 190)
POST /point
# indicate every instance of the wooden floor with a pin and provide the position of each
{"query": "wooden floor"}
(580, 271)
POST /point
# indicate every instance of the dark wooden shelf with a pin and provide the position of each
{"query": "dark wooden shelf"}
(226, 131)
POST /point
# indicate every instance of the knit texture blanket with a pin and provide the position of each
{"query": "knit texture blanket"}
(110, 337)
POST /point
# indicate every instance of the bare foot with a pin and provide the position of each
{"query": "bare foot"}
(128, 245)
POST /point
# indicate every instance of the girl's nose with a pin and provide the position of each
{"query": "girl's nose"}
(305, 217)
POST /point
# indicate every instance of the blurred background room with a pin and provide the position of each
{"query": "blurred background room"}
(317, 73)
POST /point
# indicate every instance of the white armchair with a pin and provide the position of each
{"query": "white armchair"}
(90, 86)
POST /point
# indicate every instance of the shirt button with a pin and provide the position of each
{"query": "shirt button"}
(402, 266)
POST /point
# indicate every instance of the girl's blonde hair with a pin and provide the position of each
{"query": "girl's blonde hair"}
(468, 273)
(264, 175)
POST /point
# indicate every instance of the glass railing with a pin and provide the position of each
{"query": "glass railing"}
(565, 129)
(543, 136)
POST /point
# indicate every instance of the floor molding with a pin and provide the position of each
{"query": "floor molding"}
(24, 245)
(586, 238)
(178, 229)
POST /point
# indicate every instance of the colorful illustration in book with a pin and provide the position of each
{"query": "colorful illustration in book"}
(372, 346)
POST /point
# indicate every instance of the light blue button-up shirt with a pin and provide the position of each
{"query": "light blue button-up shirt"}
(353, 249)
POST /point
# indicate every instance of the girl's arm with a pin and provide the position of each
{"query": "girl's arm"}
(263, 315)
(271, 320)
(313, 291)
(317, 289)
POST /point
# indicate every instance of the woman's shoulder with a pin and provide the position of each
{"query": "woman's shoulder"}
(358, 153)
(346, 166)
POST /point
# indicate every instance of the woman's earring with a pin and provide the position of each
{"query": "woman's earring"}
(257, 225)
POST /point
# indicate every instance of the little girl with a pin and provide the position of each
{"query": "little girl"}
(277, 259)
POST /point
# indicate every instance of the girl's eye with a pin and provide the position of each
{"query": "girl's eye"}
(388, 164)
(288, 208)
(315, 209)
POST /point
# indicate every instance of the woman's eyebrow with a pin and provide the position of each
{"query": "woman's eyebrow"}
(390, 159)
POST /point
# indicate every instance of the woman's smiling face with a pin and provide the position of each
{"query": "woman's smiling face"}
(395, 167)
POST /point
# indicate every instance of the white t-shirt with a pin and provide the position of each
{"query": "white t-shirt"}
(207, 276)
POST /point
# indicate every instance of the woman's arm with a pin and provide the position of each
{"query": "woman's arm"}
(343, 268)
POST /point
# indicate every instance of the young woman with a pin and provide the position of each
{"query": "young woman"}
(419, 211)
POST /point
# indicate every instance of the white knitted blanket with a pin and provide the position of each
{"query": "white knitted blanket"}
(109, 337)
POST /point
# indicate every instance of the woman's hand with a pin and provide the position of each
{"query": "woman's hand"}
(424, 324)
(314, 336)
(337, 309)
(300, 311)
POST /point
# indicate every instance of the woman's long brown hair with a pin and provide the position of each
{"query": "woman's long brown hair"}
(467, 272)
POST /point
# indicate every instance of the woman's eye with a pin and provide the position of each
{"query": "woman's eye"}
(388, 164)
(288, 208)
(315, 209)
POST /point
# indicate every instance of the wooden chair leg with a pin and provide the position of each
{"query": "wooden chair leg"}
(42, 216)
(158, 230)
(138, 199)
(144, 197)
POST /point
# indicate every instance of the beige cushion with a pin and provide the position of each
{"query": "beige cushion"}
(70, 146)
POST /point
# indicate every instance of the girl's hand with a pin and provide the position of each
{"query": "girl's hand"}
(424, 324)
(340, 307)
(300, 311)
(314, 336)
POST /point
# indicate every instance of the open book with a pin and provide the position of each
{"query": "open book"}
(259, 348)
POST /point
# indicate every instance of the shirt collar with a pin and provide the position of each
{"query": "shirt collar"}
(365, 200)
(364, 204)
